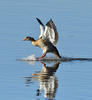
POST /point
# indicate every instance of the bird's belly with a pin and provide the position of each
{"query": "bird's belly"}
(42, 45)
(45, 46)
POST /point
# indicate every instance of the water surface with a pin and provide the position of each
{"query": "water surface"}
(72, 80)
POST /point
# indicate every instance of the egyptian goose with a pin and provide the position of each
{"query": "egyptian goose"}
(48, 38)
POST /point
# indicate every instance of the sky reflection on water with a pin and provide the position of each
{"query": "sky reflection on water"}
(73, 19)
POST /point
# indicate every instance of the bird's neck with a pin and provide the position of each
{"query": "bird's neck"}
(32, 39)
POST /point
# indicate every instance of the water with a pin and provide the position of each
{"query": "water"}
(72, 80)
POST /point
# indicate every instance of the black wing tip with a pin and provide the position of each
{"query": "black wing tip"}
(50, 22)
(37, 18)
(39, 21)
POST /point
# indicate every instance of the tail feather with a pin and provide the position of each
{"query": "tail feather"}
(57, 54)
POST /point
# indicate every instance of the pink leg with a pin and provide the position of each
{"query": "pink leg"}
(43, 55)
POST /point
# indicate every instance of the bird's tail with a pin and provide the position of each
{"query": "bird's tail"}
(57, 54)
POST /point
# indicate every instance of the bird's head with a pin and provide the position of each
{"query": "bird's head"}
(28, 38)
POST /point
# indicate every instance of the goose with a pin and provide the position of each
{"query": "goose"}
(47, 40)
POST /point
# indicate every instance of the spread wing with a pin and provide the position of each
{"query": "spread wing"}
(49, 32)
(42, 28)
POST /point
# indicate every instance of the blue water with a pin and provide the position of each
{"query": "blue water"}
(73, 19)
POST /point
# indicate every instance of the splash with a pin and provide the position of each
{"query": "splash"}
(49, 59)
(29, 58)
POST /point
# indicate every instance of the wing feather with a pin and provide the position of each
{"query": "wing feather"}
(50, 32)
(42, 28)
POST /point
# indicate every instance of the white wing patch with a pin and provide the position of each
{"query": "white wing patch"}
(50, 33)
(41, 30)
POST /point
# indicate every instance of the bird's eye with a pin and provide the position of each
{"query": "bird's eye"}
(26, 37)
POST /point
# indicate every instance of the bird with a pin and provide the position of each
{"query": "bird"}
(47, 40)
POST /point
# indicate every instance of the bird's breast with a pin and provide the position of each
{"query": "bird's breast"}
(40, 43)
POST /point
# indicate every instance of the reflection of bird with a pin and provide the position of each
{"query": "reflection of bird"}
(48, 80)
(47, 71)
(48, 38)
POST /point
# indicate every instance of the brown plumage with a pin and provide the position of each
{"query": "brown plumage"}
(45, 43)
